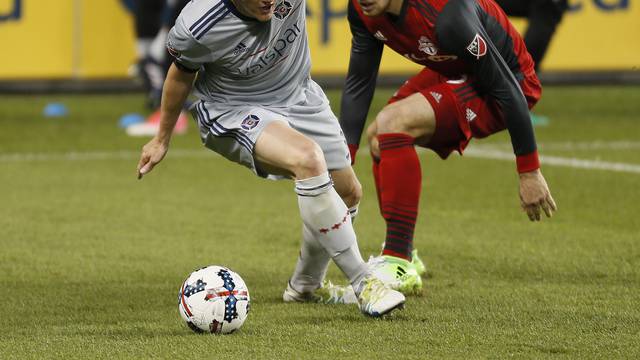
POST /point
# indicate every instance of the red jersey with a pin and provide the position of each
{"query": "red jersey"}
(454, 38)
(413, 35)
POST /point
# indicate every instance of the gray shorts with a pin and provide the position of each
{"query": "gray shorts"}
(232, 131)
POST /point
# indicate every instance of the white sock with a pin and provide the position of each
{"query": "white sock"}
(158, 46)
(327, 217)
(143, 47)
(312, 264)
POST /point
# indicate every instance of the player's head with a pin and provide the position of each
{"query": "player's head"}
(375, 7)
(262, 10)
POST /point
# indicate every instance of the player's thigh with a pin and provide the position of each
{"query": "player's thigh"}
(412, 115)
(347, 185)
(314, 118)
(282, 150)
(258, 138)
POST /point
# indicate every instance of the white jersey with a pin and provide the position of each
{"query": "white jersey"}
(241, 60)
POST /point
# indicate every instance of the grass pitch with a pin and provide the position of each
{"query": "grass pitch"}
(91, 259)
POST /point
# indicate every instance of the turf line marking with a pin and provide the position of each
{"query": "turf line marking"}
(97, 155)
(483, 152)
(557, 161)
(575, 145)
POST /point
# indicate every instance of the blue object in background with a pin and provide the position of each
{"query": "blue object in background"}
(55, 110)
(130, 119)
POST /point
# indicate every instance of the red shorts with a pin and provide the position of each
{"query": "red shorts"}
(461, 113)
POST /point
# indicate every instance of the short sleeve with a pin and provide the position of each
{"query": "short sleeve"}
(186, 50)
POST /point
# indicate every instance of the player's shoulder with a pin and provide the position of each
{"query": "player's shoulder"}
(200, 18)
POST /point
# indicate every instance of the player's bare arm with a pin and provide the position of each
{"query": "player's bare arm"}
(176, 89)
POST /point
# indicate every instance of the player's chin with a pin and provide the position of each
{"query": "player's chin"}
(264, 16)
(371, 11)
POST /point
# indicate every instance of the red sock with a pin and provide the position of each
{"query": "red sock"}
(400, 180)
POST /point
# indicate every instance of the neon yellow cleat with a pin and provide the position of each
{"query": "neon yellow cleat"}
(397, 273)
(417, 263)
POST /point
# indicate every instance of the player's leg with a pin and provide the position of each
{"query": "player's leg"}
(283, 150)
(517, 8)
(544, 17)
(398, 181)
(349, 189)
(313, 260)
(148, 20)
(307, 282)
(314, 119)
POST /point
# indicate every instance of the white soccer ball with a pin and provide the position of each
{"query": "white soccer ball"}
(214, 299)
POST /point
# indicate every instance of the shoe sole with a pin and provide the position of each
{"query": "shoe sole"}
(399, 306)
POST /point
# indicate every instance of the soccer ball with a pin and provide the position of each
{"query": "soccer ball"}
(214, 299)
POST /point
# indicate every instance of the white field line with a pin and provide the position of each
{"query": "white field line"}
(485, 152)
(576, 145)
(557, 161)
(97, 155)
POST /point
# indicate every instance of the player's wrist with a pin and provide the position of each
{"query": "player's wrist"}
(528, 162)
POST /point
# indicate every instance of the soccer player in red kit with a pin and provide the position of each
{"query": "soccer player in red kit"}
(478, 79)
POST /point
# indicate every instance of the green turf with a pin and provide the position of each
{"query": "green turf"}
(91, 259)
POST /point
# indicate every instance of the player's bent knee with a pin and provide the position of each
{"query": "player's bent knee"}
(372, 132)
(391, 120)
(308, 161)
(374, 147)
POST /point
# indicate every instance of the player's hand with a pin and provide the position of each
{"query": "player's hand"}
(535, 196)
(152, 153)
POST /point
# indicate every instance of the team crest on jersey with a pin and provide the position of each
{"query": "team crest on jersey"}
(250, 122)
(478, 47)
(427, 46)
(378, 35)
(282, 9)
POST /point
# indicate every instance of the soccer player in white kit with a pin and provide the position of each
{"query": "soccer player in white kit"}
(259, 107)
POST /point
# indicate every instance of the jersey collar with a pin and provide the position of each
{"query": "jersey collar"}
(229, 4)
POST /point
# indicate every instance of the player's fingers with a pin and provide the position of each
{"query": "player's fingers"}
(551, 203)
(146, 168)
(529, 212)
(142, 164)
(546, 208)
(144, 158)
(535, 210)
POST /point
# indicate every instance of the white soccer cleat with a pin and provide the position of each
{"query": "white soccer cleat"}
(328, 293)
(376, 299)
